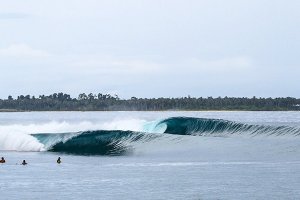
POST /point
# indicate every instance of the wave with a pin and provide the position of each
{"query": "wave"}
(101, 142)
(220, 127)
(118, 142)
(26, 137)
(151, 135)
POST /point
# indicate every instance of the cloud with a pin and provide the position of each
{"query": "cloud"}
(224, 64)
(22, 50)
(114, 65)
(13, 15)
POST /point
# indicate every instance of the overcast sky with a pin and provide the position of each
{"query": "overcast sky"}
(150, 48)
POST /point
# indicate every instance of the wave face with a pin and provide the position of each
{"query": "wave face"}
(100, 142)
(219, 127)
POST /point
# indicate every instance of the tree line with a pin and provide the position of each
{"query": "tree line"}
(108, 102)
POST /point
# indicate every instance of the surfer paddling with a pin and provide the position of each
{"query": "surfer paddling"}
(58, 160)
(2, 160)
(24, 162)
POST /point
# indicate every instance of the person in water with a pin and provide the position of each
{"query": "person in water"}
(2, 160)
(24, 162)
(58, 160)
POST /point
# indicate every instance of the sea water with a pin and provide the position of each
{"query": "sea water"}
(150, 155)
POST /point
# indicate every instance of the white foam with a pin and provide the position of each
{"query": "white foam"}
(125, 125)
(19, 142)
(16, 137)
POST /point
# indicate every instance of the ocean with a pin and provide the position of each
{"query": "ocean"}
(150, 155)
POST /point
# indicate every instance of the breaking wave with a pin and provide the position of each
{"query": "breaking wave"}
(94, 142)
(220, 127)
(124, 142)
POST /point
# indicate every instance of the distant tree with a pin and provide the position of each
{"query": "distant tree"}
(91, 96)
(10, 98)
(100, 96)
(61, 101)
(82, 96)
(54, 96)
(66, 97)
(60, 96)
(21, 97)
(116, 97)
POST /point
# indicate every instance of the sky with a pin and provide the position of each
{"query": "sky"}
(150, 48)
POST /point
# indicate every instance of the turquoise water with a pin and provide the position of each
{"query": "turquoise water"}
(205, 155)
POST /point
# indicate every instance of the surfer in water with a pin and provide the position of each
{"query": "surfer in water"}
(24, 162)
(2, 160)
(58, 160)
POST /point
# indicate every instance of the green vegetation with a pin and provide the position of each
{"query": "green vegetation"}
(107, 102)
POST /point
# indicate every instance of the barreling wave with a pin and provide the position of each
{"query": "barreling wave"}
(220, 127)
(101, 142)
(124, 142)
(117, 142)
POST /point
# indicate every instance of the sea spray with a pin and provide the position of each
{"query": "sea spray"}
(19, 142)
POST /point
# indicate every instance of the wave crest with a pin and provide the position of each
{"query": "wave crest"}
(220, 127)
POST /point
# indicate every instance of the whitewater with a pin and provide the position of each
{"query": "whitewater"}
(150, 155)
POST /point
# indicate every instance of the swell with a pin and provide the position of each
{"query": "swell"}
(220, 127)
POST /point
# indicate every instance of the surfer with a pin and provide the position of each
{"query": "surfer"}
(2, 160)
(24, 162)
(58, 160)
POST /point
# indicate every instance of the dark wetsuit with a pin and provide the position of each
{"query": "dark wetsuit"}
(2, 160)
